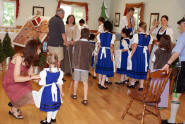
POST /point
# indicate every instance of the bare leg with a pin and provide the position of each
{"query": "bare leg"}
(75, 87)
(103, 80)
(100, 79)
(132, 82)
(85, 90)
(141, 83)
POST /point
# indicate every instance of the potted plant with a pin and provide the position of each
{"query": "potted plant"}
(7, 48)
(2, 56)
(40, 63)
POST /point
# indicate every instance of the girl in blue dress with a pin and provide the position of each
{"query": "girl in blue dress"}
(104, 65)
(138, 60)
(48, 99)
(124, 47)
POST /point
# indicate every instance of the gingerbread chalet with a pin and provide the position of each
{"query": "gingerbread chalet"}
(36, 27)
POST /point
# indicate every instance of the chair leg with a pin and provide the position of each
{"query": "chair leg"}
(158, 113)
(142, 119)
(127, 108)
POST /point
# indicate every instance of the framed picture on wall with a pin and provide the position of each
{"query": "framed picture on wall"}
(37, 10)
(117, 19)
(154, 17)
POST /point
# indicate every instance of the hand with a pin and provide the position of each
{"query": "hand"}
(71, 42)
(62, 94)
(166, 68)
(35, 77)
(66, 44)
(156, 23)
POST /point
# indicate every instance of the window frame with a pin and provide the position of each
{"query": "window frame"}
(5, 26)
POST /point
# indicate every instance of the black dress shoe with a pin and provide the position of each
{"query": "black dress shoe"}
(53, 120)
(125, 81)
(103, 87)
(64, 80)
(44, 122)
(140, 89)
(166, 122)
(108, 82)
(131, 86)
(94, 77)
(10, 104)
(99, 85)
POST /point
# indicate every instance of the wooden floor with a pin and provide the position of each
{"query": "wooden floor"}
(105, 107)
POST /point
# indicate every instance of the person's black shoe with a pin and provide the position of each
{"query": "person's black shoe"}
(140, 89)
(53, 120)
(89, 74)
(94, 77)
(166, 122)
(44, 122)
(108, 82)
(131, 86)
(10, 104)
(99, 85)
(119, 83)
(64, 80)
(125, 81)
(103, 87)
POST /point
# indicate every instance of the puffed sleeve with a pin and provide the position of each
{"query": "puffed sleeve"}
(156, 30)
(42, 77)
(151, 40)
(113, 38)
(98, 38)
(125, 45)
(170, 33)
(135, 39)
(60, 81)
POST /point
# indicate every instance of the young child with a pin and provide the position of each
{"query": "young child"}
(104, 66)
(161, 57)
(124, 47)
(48, 99)
(82, 56)
(82, 24)
(101, 21)
(94, 54)
(138, 60)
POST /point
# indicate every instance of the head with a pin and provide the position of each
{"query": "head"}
(60, 12)
(71, 20)
(165, 43)
(108, 26)
(164, 20)
(92, 37)
(52, 60)
(125, 33)
(101, 20)
(181, 24)
(85, 33)
(131, 11)
(142, 27)
(82, 22)
(31, 52)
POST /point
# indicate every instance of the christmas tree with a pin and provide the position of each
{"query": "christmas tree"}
(2, 55)
(104, 12)
(7, 47)
(42, 60)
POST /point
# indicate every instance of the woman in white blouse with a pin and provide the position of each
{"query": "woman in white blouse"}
(159, 31)
(73, 34)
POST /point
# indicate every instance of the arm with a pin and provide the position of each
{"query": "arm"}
(133, 21)
(112, 51)
(65, 39)
(149, 47)
(17, 71)
(134, 46)
(154, 27)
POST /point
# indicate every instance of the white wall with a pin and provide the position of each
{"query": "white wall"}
(25, 10)
(175, 9)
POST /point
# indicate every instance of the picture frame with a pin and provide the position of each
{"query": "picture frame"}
(153, 18)
(38, 11)
(117, 20)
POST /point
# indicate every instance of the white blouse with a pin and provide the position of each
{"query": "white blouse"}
(123, 23)
(125, 44)
(135, 39)
(169, 31)
(112, 40)
(101, 28)
(43, 75)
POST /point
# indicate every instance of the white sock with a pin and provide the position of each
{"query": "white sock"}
(174, 108)
(54, 114)
(94, 74)
(106, 79)
(49, 115)
(133, 82)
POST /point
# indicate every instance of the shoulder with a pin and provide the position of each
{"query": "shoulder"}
(182, 37)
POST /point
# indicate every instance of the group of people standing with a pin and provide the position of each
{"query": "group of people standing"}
(69, 48)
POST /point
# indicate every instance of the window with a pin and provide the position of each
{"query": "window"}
(8, 13)
(77, 11)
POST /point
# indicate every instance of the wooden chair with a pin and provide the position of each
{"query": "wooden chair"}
(153, 88)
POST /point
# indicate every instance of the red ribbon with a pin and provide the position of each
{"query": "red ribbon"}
(17, 8)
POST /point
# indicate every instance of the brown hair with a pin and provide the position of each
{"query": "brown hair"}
(165, 42)
(85, 33)
(143, 25)
(52, 59)
(101, 19)
(131, 9)
(30, 52)
(165, 16)
(67, 22)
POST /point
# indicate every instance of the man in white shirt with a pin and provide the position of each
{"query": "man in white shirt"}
(128, 21)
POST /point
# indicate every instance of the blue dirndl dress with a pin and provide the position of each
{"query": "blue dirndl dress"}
(140, 59)
(49, 97)
(104, 63)
(124, 57)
